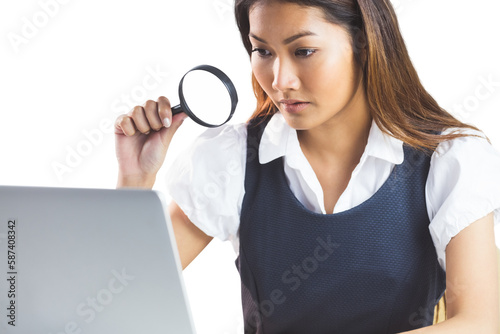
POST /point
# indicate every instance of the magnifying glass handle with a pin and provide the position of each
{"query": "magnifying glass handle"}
(177, 109)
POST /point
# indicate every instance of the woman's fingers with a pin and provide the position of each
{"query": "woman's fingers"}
(151, 112)
(125, 125)
(152, 116)
(164, 111)
(139, 117)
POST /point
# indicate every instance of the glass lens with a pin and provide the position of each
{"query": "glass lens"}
(207, 97)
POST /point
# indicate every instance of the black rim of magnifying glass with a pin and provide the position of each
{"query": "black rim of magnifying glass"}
(183, 106)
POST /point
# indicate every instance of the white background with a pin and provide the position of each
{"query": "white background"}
(72, 71)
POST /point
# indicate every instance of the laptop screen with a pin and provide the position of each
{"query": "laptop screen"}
(89, 261)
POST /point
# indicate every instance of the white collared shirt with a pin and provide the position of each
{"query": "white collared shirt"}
(207, 181)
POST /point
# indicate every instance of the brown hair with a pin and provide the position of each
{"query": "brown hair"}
(398, 102)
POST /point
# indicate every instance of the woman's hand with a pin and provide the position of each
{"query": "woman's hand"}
(142, 138)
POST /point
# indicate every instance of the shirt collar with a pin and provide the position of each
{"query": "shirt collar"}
(279, 139)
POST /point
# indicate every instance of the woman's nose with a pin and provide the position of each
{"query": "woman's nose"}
(285, 77)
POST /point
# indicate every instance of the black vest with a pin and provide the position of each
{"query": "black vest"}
(370, 269)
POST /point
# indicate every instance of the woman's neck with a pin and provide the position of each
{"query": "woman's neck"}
(340, 140)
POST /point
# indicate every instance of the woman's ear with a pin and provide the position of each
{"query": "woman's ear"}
(363, 55)
(360, 45)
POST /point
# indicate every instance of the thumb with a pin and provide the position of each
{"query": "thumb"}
(168, 133)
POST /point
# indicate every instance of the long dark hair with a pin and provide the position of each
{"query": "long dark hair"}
(398, 102)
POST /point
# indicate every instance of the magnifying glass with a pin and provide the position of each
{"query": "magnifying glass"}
(211, 95)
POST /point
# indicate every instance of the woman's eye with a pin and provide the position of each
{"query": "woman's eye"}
(304, 52)
(262, 52)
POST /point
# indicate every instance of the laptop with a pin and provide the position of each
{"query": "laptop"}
(96, 261)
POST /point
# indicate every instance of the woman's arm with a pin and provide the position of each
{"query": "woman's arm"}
(189, 238)
(472, 297)
(142, 138)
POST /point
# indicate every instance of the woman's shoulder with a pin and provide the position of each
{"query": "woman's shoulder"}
(216, 145)
(463, 185)
(225, 136)
(466, 157)
(206, 179)
(225, 132)
(469, 163)
(473, 139)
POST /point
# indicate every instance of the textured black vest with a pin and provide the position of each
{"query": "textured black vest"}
(370, 269)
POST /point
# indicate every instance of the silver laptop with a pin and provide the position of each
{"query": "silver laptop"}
(89, 261)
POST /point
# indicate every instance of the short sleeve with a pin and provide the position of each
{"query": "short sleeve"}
(207, 180)
(463, 186)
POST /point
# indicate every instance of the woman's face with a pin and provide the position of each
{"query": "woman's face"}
(304, 63)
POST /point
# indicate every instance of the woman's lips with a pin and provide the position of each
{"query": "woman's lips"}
(294, 106)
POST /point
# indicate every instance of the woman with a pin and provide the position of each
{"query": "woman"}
(349, 191)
